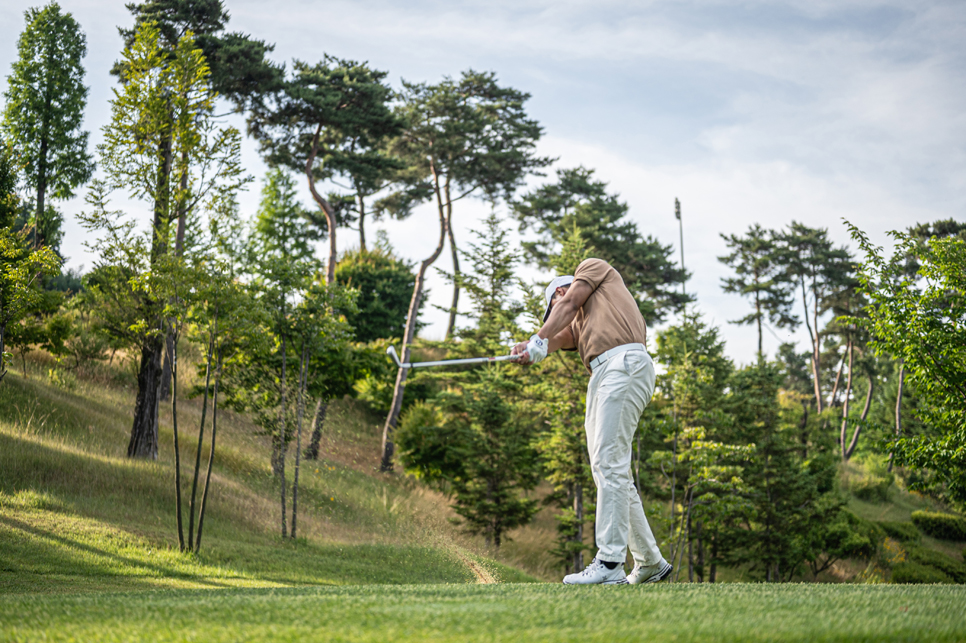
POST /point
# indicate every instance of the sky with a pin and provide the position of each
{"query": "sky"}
(747, 111)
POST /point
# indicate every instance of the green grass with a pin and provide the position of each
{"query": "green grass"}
(77, 515)
(543, 612)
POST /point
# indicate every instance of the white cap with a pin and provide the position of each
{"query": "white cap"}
(559, 282)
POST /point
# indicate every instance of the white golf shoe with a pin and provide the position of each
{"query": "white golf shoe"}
(596, 573)
(650, 573)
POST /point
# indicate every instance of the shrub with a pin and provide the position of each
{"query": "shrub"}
(913, 573)
(904, 532)
(938, 525)
(871, 488)
(938, 560)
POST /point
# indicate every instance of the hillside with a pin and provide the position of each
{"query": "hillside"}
(76, 514)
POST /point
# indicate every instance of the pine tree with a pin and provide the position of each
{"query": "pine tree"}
(475, 439)
(578, 199)
(755, 260)
(44, 111)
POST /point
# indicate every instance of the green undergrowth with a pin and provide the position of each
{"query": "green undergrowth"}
(77, 515)
(533, 612)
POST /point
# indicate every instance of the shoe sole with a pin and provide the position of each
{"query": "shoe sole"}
(622, 581)
(661, 575)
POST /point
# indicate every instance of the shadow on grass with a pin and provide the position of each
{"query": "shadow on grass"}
(41, 553)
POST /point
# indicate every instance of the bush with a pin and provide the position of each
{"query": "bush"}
(910, 573)
(938, 525)
(904, 532)
(938, 560)
(871, 488)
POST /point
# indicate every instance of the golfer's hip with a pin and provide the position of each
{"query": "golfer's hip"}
(606, 356)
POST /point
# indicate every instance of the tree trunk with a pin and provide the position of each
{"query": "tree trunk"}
(312, 453)
(144, 432)
(865, 414)
(388, 448)
(902, 379)
(177, 450)
(578, 561)
(211, 455)
(690, 548)
(42, 168)
(713, 571)
(179, 251)
(201, 430)
(165, 393)
(3, 365)
(280, 463)
(758, 316)
(451, 324)
(835, 387)
(845, 403)
(816, 343)
(303, 367)
(699, 568)
(326, 208)
(362, 221)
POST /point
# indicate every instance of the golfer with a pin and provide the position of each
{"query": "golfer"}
(594, 313)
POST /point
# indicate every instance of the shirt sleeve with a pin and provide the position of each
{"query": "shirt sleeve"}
(592, 271)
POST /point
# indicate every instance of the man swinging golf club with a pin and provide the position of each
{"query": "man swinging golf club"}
(594, 313)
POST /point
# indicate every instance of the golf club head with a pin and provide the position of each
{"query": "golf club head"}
(391, 351)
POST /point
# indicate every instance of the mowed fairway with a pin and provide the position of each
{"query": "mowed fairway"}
(510, 612)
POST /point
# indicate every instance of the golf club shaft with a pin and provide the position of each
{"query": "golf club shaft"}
(455, 362)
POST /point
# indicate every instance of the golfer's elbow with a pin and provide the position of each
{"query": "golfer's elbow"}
(568, 311)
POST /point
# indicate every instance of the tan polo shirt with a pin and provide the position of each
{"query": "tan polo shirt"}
(610, 316)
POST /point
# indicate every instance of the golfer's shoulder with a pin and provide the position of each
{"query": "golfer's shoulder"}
(594, 271)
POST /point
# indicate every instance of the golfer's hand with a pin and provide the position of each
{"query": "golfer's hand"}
(521, 349)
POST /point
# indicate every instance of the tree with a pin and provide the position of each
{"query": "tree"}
(9, 175)
(162, 126)
(468, 136)
(280, 223)
(475, 439)
(759, 275)
(578, 199)
(44, 111)
(20, 267)
(322, 111)
(384, 283)
(703, 481)
(920, 321)
(822, 272)
(239, 70)
(787, 500)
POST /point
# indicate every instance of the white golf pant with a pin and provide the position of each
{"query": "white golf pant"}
(619, 390)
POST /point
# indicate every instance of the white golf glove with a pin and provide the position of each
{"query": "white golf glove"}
(537, 348)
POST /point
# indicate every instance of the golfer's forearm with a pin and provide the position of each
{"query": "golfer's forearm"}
(559, 341)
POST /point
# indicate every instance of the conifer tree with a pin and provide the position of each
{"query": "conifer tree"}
(821, 272)
(475, 438)
(44, 111)
(579, 199)
(759, 275)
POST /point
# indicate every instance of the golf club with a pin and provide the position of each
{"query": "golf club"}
(391, 351)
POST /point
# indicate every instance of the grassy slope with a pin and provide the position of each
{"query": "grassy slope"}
(544, 612)
(77, 515)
